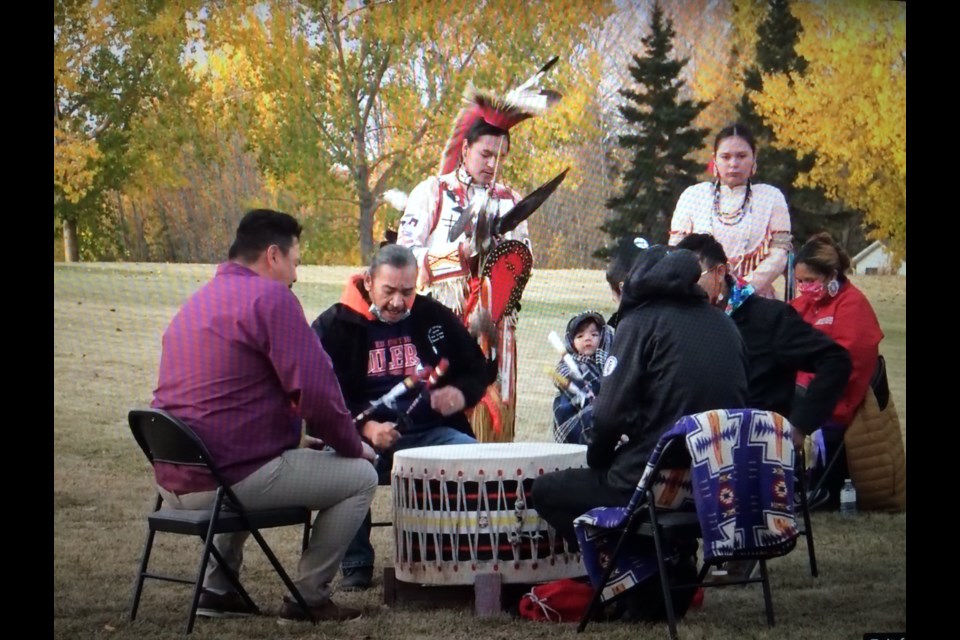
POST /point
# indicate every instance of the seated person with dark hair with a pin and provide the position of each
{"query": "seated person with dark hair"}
(379, 333)
(779, 345)
(673, 355)
(241, 366)
(621, 260)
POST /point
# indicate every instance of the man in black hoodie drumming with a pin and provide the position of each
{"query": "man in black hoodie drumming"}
(379, 333)
(673, 355)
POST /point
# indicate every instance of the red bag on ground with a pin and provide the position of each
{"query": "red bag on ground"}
(558, 601)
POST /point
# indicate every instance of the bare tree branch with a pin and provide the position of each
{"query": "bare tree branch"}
(387, 174)
(373, 88)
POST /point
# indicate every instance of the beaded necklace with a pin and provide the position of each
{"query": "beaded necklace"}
(734, 217)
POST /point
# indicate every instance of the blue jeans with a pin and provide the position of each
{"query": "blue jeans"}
(360, 552)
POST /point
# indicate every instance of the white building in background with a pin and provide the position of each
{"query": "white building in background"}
(875, 260)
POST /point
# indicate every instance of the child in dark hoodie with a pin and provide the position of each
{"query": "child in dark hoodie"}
(588, 339)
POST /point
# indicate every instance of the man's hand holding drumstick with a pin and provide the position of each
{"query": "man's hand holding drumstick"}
(447, 400)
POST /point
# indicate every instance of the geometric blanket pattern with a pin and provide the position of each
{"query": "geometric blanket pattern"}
(736, 471)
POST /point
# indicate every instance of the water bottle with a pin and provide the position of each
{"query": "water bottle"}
(848, 499)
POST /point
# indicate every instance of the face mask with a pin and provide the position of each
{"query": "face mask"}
(375, 311)
(814, 289)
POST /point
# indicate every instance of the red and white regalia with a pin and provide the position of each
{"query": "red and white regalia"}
(450, 269)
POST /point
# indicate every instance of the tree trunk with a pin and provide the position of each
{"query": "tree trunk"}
(367, 201)
(71, 250)
(367, 207)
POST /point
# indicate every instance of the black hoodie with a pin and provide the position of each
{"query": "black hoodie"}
(673, 355)
(435, 331)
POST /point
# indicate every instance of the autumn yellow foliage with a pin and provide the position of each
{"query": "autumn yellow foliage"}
(74, 159)
(850, 108)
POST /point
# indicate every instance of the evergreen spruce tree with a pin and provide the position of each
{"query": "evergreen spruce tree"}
(661, 139)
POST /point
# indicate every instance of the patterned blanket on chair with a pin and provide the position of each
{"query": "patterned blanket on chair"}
(736, 470)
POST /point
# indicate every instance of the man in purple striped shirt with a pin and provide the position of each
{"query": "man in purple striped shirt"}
(241, 365)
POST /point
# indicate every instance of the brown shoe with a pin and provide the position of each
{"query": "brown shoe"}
(323, 612)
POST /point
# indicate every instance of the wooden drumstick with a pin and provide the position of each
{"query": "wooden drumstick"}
(434, 377)
(390, 397)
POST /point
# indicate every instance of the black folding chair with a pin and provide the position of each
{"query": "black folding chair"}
(164, 438)
(806, 529)
(881, 389)
(665, 526)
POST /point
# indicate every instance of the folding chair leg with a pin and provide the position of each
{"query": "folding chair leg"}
(808, 534)
(805, 512)
(306, 534)
(233, 578)
(204, 560)
(767, 597)
(141, 575)
(283, 574)
(662, 567)
(611, 565)
(831, 463)
(144, 561)
(703, 572)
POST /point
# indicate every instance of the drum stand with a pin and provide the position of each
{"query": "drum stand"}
(488, 593)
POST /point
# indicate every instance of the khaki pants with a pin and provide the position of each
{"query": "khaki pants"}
(339, 489)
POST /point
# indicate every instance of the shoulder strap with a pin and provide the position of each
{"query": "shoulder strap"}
(435, 218)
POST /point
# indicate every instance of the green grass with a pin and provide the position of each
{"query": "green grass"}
(108, 321)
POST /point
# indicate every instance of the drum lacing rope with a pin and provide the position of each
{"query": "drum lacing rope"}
(519, 513)
(399, 508)
(493, 530)
(448, 523)
(427, 510)
(473, 538)
(420, 514)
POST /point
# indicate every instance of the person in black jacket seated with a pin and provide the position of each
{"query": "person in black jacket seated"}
(673, 355)
(379, 333)
(779, 344)
(622, 256)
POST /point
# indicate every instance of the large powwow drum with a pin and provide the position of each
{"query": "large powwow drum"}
(459, 510)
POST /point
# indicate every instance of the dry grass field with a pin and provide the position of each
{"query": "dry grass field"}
(108, 320)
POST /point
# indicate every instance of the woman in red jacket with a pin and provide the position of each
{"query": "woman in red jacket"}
(829, 301)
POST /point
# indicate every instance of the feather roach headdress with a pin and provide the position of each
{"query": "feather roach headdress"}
(526, 101)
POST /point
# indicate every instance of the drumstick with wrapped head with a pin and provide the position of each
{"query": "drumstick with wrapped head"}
(389, 399)
(568, 386)
(435, 375)
(567, 358)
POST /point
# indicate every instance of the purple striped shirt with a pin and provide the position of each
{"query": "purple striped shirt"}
(241, 366)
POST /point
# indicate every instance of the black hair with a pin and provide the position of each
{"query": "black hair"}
(622, 258)
(739, 131)
(822, 254)
(483, 128)
(707, 248)
(389, 237)
(261, 228)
